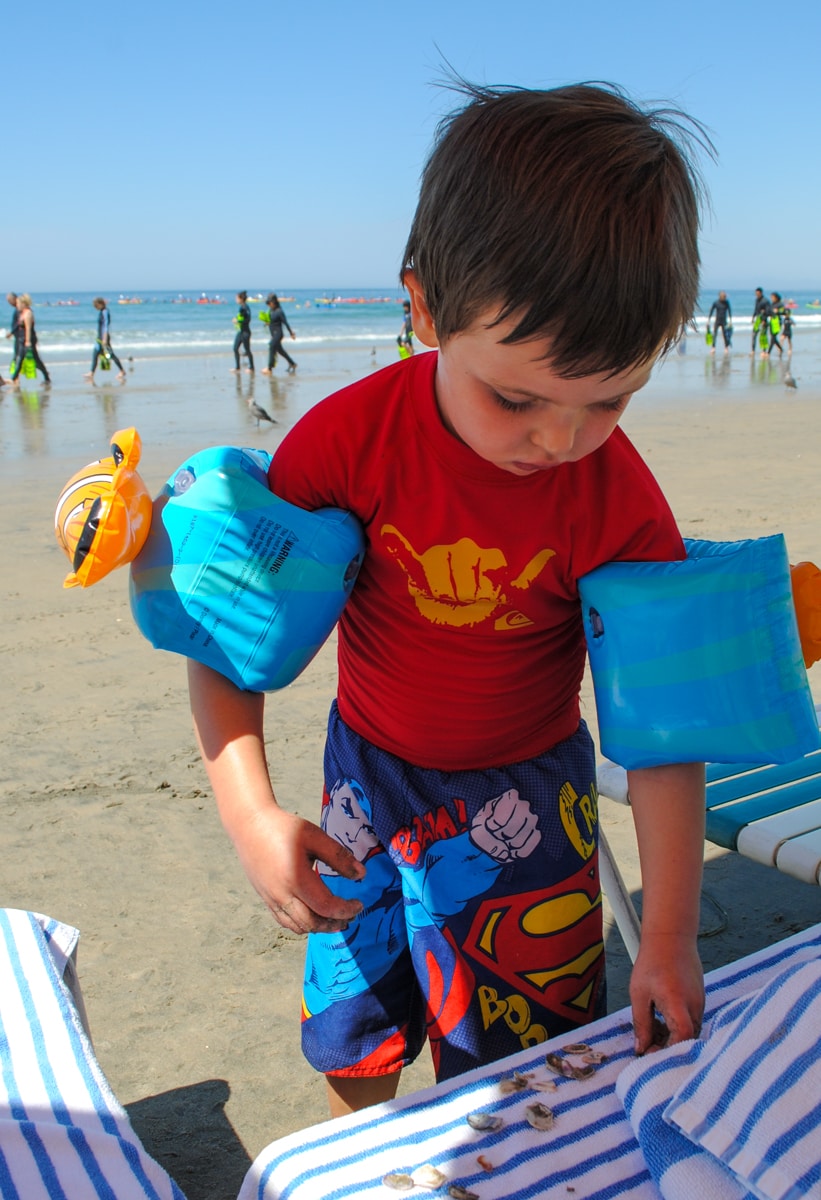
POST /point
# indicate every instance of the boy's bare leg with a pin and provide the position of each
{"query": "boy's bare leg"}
(347, 1095)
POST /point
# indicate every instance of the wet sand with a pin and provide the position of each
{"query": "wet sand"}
(192, 990)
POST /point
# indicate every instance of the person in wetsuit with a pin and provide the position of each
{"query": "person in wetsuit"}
(786, 329)
(404, 339)
(243, 338)
(103, 345)
(15, 318)
(723, 321)
(779, 316)
(25, 340)
(761, 315)
(11, 297)
(276, 321)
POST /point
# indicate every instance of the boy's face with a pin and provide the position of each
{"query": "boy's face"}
(512, 409)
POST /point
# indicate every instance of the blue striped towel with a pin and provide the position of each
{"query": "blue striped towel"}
(737, 1114)
(592, 1153)
(63, 1134)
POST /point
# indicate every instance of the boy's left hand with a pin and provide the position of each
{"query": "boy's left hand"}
(667, 980)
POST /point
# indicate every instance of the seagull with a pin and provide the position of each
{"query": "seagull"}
(256, 410)
(789, 381)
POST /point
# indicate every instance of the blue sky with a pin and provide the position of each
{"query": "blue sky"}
(217, 145)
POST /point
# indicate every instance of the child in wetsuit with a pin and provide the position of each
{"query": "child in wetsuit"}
(103, 348)
(778, 320)
(405, 338)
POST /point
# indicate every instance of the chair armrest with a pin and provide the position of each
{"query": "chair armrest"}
(611, 780)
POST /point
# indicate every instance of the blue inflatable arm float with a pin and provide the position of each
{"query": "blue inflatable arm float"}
(238, 579)
(699, 660)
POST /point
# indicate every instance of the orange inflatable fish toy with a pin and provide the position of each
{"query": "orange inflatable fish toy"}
(104, 513)
(806, 593)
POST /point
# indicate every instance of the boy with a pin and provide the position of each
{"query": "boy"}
(552, 258)
(103, 344)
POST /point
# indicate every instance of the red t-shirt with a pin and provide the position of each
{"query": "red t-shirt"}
(462, 644)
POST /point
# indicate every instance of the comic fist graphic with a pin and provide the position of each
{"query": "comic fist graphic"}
(505, 828)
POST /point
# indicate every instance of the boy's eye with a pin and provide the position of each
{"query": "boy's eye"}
(614, 405)
(512, 405)
(519, 406)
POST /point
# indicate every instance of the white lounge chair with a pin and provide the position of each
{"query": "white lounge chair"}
(771, 814)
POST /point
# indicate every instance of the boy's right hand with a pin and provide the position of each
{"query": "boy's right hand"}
(278, 850)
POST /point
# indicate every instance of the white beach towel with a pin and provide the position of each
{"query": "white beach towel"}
(741, 1106)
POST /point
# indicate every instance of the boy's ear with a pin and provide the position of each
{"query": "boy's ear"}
(423, 325)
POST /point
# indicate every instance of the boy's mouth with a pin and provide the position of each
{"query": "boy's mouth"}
(531, 468)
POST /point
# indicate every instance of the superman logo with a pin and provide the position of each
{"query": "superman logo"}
(552, 939)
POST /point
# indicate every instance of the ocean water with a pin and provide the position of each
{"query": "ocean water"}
(181, 394)
(151, 325)
(157, 324)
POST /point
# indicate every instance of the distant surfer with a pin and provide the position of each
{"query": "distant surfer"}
(761, 317)
(11, 297)
(405, 339)
(723, 321)
(780, 322)
(25, 342)
(275, 319)
(243, 323)
(103, 349)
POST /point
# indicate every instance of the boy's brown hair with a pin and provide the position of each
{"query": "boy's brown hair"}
(571, 211)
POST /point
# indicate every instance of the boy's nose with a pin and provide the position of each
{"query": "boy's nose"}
(557, 436)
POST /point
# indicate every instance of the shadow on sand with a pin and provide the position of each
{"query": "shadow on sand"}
(187, 1132)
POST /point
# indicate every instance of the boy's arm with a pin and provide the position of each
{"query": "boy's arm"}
(277, 849)
(668, 810)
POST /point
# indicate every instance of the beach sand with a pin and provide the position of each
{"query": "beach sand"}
(107, 821)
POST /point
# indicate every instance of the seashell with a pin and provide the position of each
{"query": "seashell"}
(484, 1121)
(398, 1182)
(484, 1163)
(457, 1192)
(539, 1116)
(429, 1176)
(576, 1048)
(595, 1056)
(543, 1085)
(517, 1082)
(560, 1066)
